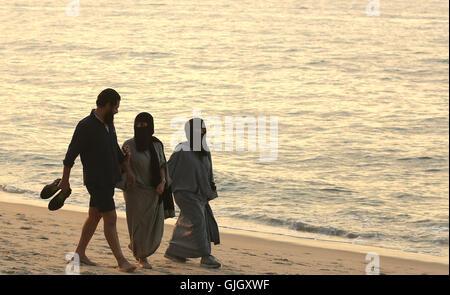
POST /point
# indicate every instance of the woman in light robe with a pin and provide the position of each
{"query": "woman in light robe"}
(190, 169)
(143, 198)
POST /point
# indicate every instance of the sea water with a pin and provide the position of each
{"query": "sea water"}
(361, 101)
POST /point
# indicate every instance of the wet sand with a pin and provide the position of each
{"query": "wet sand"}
(34, 240)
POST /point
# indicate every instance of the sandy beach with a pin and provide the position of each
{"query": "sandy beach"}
(34, 240)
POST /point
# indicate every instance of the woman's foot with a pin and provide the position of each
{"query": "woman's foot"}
(210, 262)
(175, 258)
(143, 263)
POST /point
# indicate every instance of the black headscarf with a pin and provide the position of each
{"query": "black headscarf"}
(197, 140)
(143, 137)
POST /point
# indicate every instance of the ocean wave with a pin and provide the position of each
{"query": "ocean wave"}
(14, 190)
(304, 227)
(436, 60)
(336, 190)
(441, 241)
(326, 230)
(415, 158)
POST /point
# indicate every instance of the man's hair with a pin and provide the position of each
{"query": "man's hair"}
(108, 96)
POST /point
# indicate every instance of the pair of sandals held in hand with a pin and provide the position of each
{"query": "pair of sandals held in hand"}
(50, 190)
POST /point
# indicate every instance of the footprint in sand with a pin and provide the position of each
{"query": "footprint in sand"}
(277, 262)
(8, 258)
(8, 272)
(283, 261)
(21, 216)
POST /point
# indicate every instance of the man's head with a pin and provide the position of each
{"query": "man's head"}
(108, 101)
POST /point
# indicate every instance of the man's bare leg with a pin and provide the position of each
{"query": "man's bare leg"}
(88, 230)
(110, 219)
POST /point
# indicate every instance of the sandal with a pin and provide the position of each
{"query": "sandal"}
(58, 201)
(50, 189)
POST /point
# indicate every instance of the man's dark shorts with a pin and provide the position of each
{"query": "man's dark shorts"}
(102, 198)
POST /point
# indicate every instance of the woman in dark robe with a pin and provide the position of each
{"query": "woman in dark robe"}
(144, 208)
(190, 169)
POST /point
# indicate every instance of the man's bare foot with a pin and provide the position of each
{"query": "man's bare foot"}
(85, 260)
(125, 266)
(143, 263)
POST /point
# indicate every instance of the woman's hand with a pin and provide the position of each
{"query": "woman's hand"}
(130, 180)
(160, 187)
(213, 186)
(126, 150)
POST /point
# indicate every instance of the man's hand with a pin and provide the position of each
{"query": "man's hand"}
(64, 185)
(160, 187)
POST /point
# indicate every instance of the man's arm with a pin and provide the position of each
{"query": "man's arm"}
(64, 184)
(77, 145)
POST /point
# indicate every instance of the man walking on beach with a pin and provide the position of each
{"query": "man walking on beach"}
(95, 140)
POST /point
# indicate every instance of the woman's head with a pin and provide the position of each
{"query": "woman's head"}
(144, 120)
(143, 130)
(195, 130)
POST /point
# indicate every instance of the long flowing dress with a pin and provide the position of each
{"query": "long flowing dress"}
(144, 210)
(196, 226)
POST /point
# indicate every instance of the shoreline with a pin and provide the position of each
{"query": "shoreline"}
(299, 240)
(241, 252)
